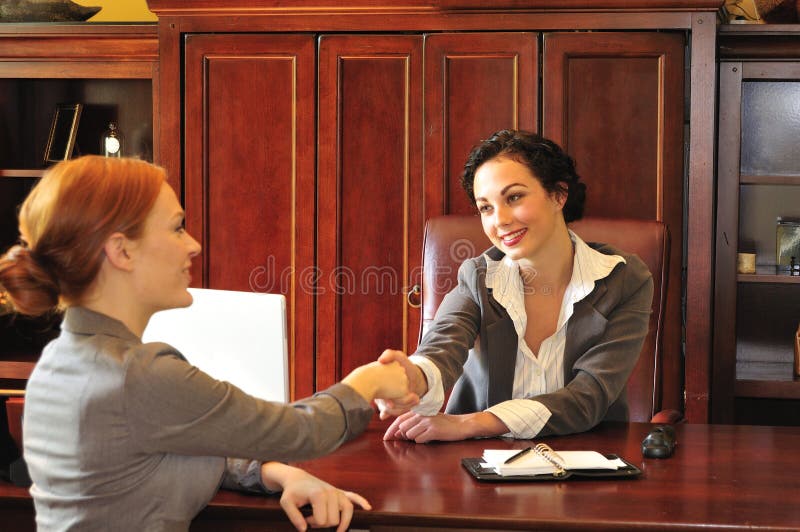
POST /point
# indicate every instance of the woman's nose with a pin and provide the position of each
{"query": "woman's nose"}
(502, 216)
(194, 247)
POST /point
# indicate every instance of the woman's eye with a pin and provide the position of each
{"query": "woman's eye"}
(514, 197)
(484, 208)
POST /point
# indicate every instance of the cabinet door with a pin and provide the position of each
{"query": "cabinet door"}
(249, 172)
(615, 102)
(475, 84)
(370, 197)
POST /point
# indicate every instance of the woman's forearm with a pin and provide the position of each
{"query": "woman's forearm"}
(483, 424)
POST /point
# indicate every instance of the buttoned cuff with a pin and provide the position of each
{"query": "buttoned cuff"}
(431, 403)
(523, 417)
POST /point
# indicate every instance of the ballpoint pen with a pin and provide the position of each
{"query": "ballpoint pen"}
(520, 454)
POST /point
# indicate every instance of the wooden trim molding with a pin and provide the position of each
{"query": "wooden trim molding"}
(409, 7)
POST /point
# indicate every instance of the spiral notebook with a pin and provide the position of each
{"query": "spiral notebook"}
(541, 462)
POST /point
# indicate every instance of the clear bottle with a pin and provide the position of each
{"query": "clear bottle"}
(111, 142)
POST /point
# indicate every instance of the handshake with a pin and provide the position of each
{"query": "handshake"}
(393, 382)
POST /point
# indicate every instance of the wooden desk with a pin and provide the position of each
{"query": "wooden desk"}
(722, 477)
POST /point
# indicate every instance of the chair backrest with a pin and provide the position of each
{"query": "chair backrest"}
(451, 239)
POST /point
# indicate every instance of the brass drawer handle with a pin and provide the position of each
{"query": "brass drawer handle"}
(413, 296)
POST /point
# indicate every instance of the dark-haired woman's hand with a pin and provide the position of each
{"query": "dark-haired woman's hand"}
(444, 427)
(417, 385)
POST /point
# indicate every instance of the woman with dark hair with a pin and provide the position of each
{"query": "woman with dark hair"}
(543, 330)
(121, 435)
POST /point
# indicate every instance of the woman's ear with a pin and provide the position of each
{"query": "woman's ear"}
(116, 249)
(559, 196)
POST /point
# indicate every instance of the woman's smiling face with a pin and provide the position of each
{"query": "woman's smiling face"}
(518, 215)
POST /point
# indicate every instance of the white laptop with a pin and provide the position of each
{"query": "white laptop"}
(239, 337)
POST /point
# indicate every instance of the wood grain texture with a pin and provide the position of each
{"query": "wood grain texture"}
(250, 186)
(171, 7)
(699, 220)
(727, 242)
(16, 370)
(169, 106)
(615, 103)
(712, 482)
(370, 210)
(475, 84)
(87, 42)
(393, 21)
(693, 19)
(745, 42)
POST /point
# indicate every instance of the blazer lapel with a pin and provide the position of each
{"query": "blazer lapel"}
(502, 343)
(585, 326)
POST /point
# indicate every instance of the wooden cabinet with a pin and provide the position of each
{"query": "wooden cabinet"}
(756, 315)
(362, 209)
(375, 117)
(615, 102)
(249, 179)
(369, 174)
(475, 84)
(111, 70)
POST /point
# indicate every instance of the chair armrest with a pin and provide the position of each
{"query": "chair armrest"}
(668, 417)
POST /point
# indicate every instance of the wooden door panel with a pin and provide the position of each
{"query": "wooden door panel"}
(615, 102)
(475, 84)
(370, 197)
(249, 163)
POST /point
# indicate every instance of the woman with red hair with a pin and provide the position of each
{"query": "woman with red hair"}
(121, 435)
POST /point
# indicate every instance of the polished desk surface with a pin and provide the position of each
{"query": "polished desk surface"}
(720, 477)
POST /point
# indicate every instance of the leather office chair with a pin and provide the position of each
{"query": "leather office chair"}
(451, 239)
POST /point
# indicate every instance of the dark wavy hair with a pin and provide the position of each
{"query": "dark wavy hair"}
(548, 163)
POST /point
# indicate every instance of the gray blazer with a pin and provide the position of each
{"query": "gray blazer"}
(120, 435)
(473, 342)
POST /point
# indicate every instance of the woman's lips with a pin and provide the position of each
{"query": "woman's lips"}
(512, 239)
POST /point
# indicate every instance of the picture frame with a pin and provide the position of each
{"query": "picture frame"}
(63, 131)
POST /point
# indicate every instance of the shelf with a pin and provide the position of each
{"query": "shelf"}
(758, 29)
(769, 278)
(8, 173)
(758, 42)
(768, 389)
(769, 179)
(767, 381)
(112, 70)
(16, 370)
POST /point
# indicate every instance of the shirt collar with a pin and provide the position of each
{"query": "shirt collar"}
(588, 267)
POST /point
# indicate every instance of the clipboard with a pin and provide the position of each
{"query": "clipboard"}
(487, 474)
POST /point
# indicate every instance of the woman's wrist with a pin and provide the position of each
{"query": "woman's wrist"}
(483, 425)
(362, 382)
(274, 475)
(419, 382)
